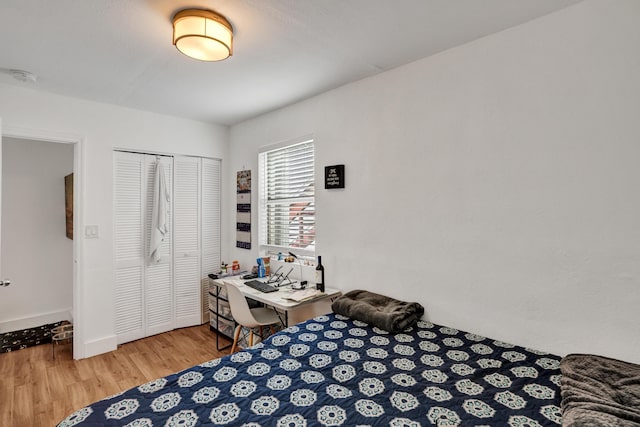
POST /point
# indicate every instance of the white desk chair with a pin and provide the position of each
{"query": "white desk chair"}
(248, 317)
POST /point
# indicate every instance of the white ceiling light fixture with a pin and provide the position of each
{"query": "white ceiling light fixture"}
(203, 34)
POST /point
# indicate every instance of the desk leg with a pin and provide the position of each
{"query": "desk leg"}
(218, 340)
(284, 322)
(218, 343)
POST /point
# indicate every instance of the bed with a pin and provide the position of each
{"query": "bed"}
(332, 370)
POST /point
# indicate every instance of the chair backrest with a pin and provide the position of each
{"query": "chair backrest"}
(239, 306)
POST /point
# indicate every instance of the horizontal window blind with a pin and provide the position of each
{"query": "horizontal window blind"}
(287, 198)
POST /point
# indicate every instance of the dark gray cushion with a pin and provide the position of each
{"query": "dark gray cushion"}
(598, 391)
(378, 310)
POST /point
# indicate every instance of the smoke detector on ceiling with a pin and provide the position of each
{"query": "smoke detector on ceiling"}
(24, 76)
(20, 75)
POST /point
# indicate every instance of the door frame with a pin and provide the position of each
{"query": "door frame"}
(78, 193)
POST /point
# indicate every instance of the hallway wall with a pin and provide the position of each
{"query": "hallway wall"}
(36, 254)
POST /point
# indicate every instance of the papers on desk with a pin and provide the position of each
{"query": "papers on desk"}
(303, 295)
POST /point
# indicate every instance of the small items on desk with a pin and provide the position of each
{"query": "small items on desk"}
(221, 275)
(261, 286)
(262, 270)
(320, 275)
(273, 277)
(299, 286)
(279, 279)
(303, 295)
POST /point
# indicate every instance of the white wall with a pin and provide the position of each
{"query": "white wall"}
(101, 128)
(36, 254)
(495, 183)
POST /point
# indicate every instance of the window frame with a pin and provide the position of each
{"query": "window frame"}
(269, 248)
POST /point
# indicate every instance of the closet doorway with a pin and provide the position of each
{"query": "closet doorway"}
(167, 240)
(38, 249)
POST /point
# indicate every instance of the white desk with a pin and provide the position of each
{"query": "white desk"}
(294, 312)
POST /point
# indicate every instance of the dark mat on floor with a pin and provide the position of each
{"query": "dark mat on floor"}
(17, 340)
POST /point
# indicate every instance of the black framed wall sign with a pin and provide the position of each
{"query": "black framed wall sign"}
(334, 176)
(243, 208)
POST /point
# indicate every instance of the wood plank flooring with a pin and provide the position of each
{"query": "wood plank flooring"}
(36, 390)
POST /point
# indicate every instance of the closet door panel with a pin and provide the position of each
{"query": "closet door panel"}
(187, 292)
(129, 247)
(128, 208)
(129, 302)
(159, 295)
(187, 287)
(158, 275)
(210, 228)
(211, 240)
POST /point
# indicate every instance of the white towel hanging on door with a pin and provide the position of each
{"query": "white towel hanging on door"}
(159, 214)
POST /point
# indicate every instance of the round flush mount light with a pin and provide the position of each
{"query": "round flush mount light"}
(203, 34)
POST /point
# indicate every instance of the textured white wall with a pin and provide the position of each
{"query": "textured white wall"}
(36, 254)
(101, 128)
(495, 183)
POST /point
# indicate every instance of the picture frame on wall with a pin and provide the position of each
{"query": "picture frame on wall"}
(68, 203)
(333, 177)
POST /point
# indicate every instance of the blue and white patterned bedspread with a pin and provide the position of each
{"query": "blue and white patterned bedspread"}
(332, 371)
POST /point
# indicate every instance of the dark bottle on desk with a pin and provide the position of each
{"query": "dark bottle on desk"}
(320, 275)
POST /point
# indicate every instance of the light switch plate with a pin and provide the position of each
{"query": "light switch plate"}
(91, 232)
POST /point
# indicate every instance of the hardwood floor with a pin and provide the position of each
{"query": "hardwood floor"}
(36, 390)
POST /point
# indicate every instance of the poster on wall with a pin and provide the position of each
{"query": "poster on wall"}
(243, 209)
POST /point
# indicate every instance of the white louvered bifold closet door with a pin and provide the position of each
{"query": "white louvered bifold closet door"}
(143, 290)
(187, 287)
(210, 225)
(159, 275)
(129, 246)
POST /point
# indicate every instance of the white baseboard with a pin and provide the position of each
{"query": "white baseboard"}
(99, 346)
(34, 321)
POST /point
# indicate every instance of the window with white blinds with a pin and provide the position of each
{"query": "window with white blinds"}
(287, 199)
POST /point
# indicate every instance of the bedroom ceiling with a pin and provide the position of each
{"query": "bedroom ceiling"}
(120, 51)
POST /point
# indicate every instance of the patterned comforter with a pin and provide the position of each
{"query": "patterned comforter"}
(332, 371)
